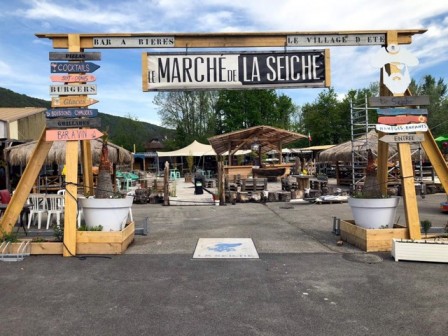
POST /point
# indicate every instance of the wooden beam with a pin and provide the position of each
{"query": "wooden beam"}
(25, 184)
(224, 39)
(408, 185)
(436, 158)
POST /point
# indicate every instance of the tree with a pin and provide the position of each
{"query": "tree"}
(248, 108)
(190, 113)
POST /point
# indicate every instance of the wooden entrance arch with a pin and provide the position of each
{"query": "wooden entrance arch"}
(79, 42)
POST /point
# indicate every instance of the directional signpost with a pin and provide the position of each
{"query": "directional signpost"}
(74, 56)
(73, 89)
(398, 120)
(73, 101)
(71, 113)
(72, 78)
(73, 122)
(83, 67)
(72, 134)
(394, 138)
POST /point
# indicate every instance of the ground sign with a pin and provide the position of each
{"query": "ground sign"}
(210, 71)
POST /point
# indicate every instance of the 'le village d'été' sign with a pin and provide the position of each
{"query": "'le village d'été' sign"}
(211, 71)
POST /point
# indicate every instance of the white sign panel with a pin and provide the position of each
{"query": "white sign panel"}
(402, 128)
(234, 70)
(73, 89)
(394, 138)
(309, 40)
(134, 42)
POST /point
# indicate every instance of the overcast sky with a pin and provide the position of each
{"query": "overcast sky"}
(25, 68)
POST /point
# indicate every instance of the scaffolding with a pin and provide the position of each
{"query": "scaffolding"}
(360, 127)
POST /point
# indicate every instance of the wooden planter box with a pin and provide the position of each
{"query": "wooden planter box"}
(87, 242)
(99, 242)
(371, 240)
(420, 250)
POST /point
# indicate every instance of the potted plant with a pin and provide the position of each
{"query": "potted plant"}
(371, 208)
(107, 208)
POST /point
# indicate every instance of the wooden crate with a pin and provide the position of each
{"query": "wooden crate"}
(371, 240)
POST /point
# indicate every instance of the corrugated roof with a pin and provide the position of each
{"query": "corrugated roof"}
(15, 113)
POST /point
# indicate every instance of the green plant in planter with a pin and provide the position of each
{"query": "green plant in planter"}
(371, 188)
(426, 225)
(105, 188)
(8, 237)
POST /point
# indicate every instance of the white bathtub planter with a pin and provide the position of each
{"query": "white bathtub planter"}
(110, 213)
(431, 250)
(374, 213)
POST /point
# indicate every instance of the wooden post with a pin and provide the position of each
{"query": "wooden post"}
(408, 185)
(436, 158)
(71, 178)
(25, 184)
(166, 174)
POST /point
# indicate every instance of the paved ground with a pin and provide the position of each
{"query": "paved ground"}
(303, 283)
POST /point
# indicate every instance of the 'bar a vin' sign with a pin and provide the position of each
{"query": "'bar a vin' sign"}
(210, 71)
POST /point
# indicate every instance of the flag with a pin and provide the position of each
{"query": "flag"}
(309, 137)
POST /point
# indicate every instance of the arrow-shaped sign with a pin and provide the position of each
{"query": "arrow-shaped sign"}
(72, 134)
(73, 122)
(392, 138)
(84, 67)
(74, 56)
(398, 120)
(71, 113)
(73, 101)
(73, 78)
(401, 111)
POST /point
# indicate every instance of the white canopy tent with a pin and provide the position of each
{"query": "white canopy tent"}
(193, 149)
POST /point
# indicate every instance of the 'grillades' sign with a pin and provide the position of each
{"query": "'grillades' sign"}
(210, 71)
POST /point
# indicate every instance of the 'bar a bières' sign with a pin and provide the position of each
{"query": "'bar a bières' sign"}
(210, 71)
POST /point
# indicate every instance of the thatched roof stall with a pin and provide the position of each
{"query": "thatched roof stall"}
(343, 151)
(266, 137)
(21, 154)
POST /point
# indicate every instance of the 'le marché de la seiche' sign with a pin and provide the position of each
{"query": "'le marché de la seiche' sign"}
(210, 71)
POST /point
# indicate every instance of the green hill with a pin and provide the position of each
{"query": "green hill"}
(122, 131)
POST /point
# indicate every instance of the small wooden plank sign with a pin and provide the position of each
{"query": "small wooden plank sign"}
(73, 122)
(80, 67)
(394, 138)
(74, 56)
(73, 101)
(73, 78)
(72, 134)
(73, 89)
(402, 128)
(392, 101)
(402, 111)
(71, 113)
(399, 120)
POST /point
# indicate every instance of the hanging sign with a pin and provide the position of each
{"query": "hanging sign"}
(73, 101)
(83, 67)
(210, 71)
(73, 78)
(71, 113)
(72, 134)
(73, 89)
(398, 101)
(402, 128)
(73, 122)
(394, 138)
(74, 56)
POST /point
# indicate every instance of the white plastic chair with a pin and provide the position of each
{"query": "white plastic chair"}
(55, 208)
(39, 207)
